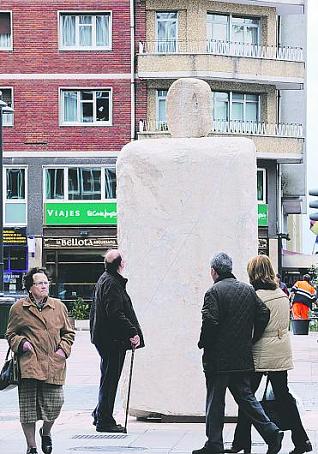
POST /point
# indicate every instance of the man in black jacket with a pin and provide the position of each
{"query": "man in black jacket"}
(233, 317)
(114, 329)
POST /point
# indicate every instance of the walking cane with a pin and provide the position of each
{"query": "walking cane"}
(129, 387)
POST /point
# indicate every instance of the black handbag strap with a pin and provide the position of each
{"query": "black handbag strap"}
(8, 353)
(266, 387)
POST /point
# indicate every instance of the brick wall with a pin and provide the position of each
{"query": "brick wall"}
(35, 38)
(36, 118)
(36, 100)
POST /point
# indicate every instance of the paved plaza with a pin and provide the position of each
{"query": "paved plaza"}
(74, 432)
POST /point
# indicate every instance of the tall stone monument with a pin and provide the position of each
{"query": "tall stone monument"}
(180, 201)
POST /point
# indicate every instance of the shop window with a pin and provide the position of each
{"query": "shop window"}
(82, 31)
(80, 183)
(5, 31)
(73, 273)
(6, 96)
(86, 107)
(15, 210)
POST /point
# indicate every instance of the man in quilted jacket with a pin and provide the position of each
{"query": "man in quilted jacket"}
(233, 317)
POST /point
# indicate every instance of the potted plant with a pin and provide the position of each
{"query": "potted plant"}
(80, 312)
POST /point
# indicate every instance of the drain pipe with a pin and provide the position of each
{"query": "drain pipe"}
(132, 71)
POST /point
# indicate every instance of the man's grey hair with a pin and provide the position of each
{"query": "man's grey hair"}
(221, 263)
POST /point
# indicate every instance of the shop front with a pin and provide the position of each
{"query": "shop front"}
(75, 240)
(15, 254)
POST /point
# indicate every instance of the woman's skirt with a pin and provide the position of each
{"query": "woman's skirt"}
(39, 400)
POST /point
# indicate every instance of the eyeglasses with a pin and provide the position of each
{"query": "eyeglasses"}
(41, 283)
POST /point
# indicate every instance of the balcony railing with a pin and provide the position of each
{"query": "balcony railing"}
(223, 48)
(292, 130)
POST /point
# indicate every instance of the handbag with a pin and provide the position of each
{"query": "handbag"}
(10, 374)
(273, 409)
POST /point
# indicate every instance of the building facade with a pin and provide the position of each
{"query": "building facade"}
(66, 68)
(253, 59)
(86, 77)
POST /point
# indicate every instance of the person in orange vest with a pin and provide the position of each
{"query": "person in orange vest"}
(304, 296)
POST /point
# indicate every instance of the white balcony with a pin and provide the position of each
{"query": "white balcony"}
(281, 141)
(224, 48)
(282, 6)
(283, 67)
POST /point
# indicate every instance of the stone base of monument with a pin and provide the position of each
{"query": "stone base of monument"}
(161, 418)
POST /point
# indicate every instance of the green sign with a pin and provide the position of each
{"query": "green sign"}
(262, 215)
(80, 213)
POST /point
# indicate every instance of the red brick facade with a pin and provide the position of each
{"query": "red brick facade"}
(36, 100)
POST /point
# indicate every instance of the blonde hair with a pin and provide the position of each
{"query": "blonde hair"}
(261, 273)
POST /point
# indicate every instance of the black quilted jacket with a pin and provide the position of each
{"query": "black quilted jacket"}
(233, 317)
(112, 316)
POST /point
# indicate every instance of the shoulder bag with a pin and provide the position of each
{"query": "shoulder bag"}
(273, 408)
(9, 375)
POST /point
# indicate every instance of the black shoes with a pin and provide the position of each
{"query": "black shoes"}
(110, 428)
(46, 443)
(307, 447)
(32, 451)
(205, 450)
(275, 445)
(234, 448)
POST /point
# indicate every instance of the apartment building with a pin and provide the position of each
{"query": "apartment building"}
(252, 55)
(66, 69)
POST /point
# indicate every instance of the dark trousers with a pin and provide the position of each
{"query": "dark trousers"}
(278, 380)
(111, 366)
(240, 387)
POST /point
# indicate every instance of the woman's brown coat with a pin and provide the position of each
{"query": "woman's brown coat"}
(47, 330)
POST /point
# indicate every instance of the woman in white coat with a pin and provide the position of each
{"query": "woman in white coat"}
(272, 354)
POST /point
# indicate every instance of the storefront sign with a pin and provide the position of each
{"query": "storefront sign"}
(263, 246)
(262, 215)
(79, 242)
(14, 237)
(92, 213)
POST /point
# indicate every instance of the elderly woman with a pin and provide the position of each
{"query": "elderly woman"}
(272, 354)
(40, 333)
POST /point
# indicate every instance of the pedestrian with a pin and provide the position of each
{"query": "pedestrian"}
(40, 333)
(272, 355)
(114, 330)
(282, 284)
(303, 298)
(232, 314)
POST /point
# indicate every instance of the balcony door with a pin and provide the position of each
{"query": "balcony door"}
(166, 32)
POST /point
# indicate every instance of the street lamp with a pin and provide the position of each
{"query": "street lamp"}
(4, 108)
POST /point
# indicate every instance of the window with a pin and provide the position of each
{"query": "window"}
(80, 183)
(83, 31)
(232, 34)
(110, 183)
(261, 185)
(240, 107)
(161, 109)
(5, 31)
(84, 184)
(166, 31)
(86, 107)
(7, 118)
(54, 184)
(15, 202)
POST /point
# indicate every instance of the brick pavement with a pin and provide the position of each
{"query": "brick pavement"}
(74, 433)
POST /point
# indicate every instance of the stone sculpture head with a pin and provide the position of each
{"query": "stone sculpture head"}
(189, 108)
